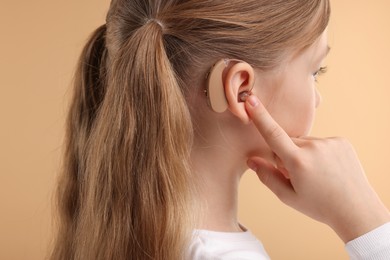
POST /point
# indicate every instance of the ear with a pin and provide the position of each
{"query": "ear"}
(239, 78)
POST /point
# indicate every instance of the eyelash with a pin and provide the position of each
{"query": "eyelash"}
(320, 72)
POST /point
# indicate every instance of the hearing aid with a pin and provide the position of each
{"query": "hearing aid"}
(215, 91)
(243, 96)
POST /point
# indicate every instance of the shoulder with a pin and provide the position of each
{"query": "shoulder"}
(225, 245)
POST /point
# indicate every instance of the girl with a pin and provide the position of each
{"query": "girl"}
(159, 134)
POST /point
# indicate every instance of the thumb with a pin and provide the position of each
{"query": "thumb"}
(272, 178)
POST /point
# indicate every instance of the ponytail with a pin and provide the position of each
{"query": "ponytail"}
(161, 139)
(88, 93)
(127, 187)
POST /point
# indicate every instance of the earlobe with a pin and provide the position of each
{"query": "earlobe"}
(238, 81)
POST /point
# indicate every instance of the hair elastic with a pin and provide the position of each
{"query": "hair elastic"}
(153, 20)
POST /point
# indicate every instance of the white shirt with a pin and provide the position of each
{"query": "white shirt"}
(374, 245)
(211, 245)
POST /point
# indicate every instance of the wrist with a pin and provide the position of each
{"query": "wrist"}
(354, 224)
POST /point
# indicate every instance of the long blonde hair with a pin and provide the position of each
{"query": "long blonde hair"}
(126, 190)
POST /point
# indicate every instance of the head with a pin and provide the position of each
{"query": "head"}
(139, 108)
(288, 91)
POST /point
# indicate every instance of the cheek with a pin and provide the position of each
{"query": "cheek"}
(294, 110)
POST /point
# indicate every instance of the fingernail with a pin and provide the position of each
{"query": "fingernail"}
(252, 165)
(253, 100)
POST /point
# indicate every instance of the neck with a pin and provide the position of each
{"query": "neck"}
(218, 192)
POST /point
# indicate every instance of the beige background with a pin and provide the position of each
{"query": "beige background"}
(39, 44)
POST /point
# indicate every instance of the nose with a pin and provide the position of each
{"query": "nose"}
(318, 98)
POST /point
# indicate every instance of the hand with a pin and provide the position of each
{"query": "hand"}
(321, 178)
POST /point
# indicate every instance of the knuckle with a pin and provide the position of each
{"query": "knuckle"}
(338, 139)
(274, 132)
(316, 145)
(342, 142)
(283, 197)
(345, 141)
(264, 177)
(297, 162)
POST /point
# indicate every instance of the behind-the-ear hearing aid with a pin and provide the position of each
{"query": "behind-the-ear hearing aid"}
(215, 90)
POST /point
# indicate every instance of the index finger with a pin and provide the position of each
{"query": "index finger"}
(277, 139)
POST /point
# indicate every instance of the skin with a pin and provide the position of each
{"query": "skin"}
(337, 193)
(224, 142)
